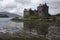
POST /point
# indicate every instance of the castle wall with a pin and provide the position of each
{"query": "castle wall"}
(42, 10)
(26, 12)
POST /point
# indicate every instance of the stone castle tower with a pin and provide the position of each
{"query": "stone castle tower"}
(42, 10)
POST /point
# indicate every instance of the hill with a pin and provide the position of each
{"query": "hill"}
(3, 15)
(10, 14)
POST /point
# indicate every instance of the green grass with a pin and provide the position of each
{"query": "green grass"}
(16, 19)
(31, 17)
(36, 17)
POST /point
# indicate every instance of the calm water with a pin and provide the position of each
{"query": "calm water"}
(29, 29)
(7, 26)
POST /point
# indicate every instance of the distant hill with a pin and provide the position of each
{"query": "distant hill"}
(10, 14)
(57, 15)
(3, 15)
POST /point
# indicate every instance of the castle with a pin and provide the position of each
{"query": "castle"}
(42, 10)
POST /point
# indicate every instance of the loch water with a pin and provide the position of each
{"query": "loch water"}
(29, 29)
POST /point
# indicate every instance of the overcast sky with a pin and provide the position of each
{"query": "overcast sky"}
(17, 6)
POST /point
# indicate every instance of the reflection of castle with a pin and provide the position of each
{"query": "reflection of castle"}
(42, 10)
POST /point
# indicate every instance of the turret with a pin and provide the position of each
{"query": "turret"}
(26, 12)
(43, 9)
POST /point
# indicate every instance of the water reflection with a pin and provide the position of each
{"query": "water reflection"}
(36, 28)
(50, 30)
(8, 26)
(29, 29)
(53, 33)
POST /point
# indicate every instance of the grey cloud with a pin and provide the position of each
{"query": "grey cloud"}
(23, 1)
(54, 5)
(10, 6)
(1, 0)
